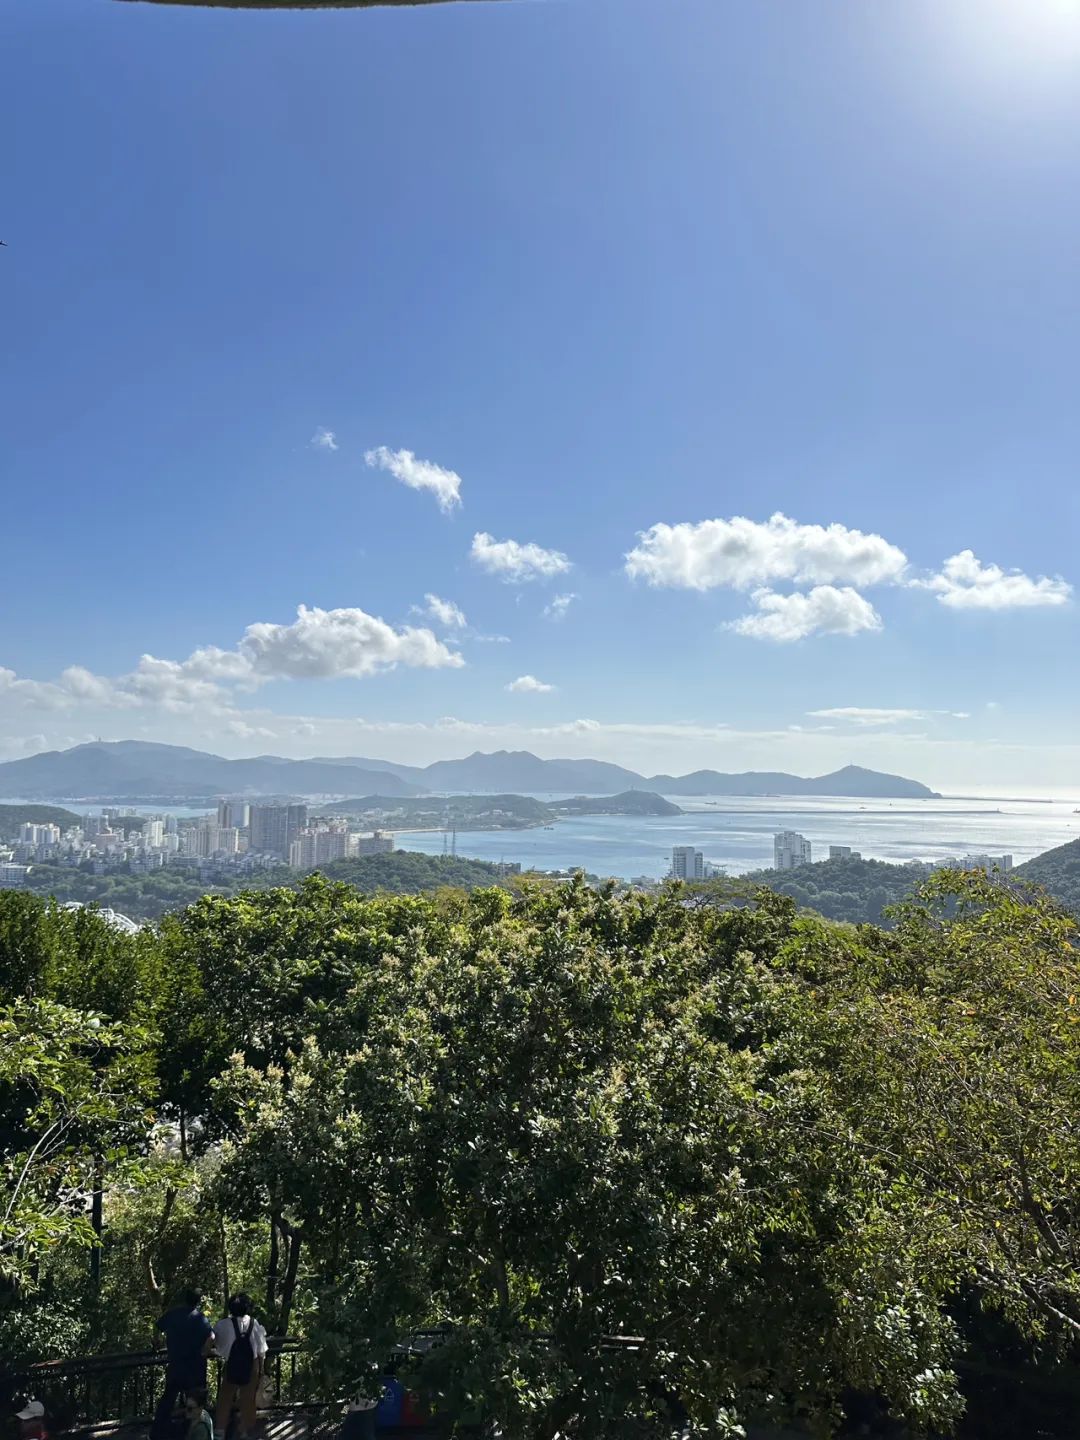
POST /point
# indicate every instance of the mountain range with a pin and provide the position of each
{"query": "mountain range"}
(140, 770)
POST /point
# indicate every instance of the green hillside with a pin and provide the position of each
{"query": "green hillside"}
(1058, 871)
(147, 897)
(13, 816)
(853, 890)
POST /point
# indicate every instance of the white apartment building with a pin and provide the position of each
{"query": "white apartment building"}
(687, 863)
(790, 850)
(989, 863)
(319, 847)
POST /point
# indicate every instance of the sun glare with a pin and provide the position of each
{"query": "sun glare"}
(1018, 39)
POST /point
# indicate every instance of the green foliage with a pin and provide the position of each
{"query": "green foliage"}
(72, 1097)
(857, 891)
(406, 872)
(14, 816)
(780, 1152)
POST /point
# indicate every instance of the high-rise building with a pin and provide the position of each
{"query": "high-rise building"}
(378, 843)
(153, 833)
(233, 814)
(319, 846)
(843, 852)
(275, 827)
(790, 849)
(172, 825)
(687, 863)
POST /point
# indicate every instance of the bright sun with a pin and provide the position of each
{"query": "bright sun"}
(1014, 35)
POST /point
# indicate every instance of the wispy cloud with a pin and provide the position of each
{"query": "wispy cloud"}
(324, 440)
(403, 465)
(443, 612)
(529, 685)
(825, 610)
(965, 583)
(558, 606)
(516, 562)
(871, 715)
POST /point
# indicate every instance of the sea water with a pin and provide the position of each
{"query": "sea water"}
(738, 833)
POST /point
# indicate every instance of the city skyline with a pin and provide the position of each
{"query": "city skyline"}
(644, 426)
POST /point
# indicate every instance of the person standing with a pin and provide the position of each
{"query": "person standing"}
(239, 1342)
(186, 1330)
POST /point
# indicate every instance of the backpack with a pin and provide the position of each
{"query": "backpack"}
(240, 1365)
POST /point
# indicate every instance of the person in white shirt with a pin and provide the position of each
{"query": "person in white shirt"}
(239, 1342)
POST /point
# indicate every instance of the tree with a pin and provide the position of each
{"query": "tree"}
(549, 1121)
(73, 1099)
(955, 1051)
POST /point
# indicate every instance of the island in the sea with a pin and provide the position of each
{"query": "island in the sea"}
(490, 812)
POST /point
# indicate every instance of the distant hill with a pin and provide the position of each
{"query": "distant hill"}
(14, 816)
(851, 781)
(630, 802)
(139, 770)
(1057, 871)
(850, 889)
(500, 811)
(134, 769)
(504, 770)
(405, 872)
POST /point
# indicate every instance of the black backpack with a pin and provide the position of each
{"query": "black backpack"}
(240, 1365)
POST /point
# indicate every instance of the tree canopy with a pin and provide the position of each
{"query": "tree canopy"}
(777, 1156)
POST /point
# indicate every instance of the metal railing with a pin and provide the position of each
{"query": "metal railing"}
(123, 1388)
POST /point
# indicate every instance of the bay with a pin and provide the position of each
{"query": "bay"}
(737, 834)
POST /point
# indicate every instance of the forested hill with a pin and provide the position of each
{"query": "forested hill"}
(1058, 871)
(848, 889)
(148, 897)
(14, 816)
(406, 872)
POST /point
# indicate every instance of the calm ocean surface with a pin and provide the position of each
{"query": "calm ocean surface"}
(738, 834)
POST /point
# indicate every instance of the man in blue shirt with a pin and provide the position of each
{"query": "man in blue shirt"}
(185, 1328)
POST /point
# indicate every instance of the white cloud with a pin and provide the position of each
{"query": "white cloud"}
(742, 553)
(824, 610)
(967, 584)
(322, 644)
(529, 685)
(319, 644)
(445, 485)
(515, 562)
(558, 606)
(869, 715)
(444, 612)
(323, 440)
(245, 731)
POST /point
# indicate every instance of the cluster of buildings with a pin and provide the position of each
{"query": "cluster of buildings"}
(791, 850)
(240, 837)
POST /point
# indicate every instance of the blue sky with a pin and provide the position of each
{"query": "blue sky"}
(624, 278)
